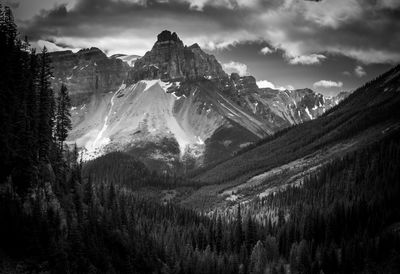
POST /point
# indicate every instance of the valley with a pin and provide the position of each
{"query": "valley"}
(210, 127)
(283, 159)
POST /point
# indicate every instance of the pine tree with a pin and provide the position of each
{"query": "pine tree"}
(271, 248)
(257, 259)
(63, 116)
(32, 105)
(250, 233)
(219, 236)
(8, 24)
(8, 94)
(238, 230)
(46, 107)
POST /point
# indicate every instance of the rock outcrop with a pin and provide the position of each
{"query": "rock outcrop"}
(87, 72)
(170, 59)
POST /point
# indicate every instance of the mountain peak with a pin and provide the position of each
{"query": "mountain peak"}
(169, 59)
(167, 36)
(92, 53)
(195, 46)
(92, 49)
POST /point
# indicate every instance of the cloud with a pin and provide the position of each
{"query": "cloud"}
(265, 84)
(290, 87)
(132, 26)
(359, 71)
(328, 84)
(199, 5)
(236, 67)
(266, 50)
(307, 59)
(306, 32)
(52, 46)
(389, 3)
(333, 13)
(268, 84)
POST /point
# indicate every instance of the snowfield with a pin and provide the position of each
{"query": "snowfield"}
(143, 111)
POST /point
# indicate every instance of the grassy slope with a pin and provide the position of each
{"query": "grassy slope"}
(375, 106)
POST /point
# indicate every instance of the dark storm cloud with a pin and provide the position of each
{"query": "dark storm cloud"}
(306, 32)
(367, 32)
(106, 18)
(372, 37)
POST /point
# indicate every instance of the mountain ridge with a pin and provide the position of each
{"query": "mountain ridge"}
(213, 114)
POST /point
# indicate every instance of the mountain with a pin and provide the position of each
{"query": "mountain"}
(279, 108)
(285, 159)
(174, 108)
(87, 72)
(170, 59)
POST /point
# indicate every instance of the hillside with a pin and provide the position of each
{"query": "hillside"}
(366, 116)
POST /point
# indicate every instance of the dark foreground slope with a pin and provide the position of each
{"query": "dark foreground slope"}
(345, 219)
(366, 115)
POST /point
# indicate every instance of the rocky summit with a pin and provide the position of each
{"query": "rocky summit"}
(174, 108)
(170, 59)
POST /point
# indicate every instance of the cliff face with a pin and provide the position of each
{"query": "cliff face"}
(87, 72)
(170, 59)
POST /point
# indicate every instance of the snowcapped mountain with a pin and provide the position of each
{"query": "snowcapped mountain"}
(175, 107)
(153, 119)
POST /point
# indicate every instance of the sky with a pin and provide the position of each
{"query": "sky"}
(326, 45)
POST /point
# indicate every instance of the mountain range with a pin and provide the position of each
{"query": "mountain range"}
(284, 160)
(175, 108)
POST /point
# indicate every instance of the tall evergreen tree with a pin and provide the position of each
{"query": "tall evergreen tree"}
(46, 106)
(63, 116)
(250, 233)
(8, 93)
(257, 259)
(238, 230)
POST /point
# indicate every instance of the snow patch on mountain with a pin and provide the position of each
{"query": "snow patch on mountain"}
(94, 148)
(140, 112)
(308, 113)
